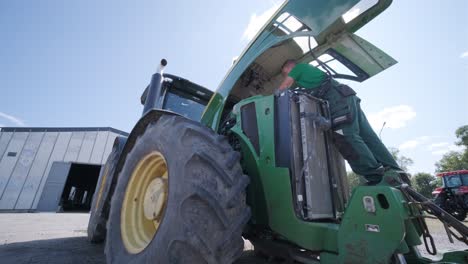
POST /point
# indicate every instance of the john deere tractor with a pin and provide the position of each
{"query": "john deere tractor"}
(187, 188)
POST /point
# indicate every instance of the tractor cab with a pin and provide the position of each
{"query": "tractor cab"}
(454, 181)
(180, 96)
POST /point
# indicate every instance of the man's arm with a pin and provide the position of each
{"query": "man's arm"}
(287, 82)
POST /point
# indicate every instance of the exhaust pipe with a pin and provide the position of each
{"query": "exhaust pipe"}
(154, 89)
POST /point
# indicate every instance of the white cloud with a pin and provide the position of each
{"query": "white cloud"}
(411, 144)
(257, 21)
(438, 145)
(446, 149)
(464, 55)
(438, 148)
(394, 117)
(12, 119)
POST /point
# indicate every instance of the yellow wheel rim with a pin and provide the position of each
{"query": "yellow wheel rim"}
(144, 202)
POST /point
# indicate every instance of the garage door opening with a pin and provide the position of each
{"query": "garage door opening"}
(79, 188)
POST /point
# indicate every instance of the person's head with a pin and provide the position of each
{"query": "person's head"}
(287, 67)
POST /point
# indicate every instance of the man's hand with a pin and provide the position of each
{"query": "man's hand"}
(287, 82)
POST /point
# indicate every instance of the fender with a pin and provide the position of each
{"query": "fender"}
(150, 117)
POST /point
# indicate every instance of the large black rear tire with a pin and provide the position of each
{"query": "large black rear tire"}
(450, 207)
(101, 199)
(205, 208)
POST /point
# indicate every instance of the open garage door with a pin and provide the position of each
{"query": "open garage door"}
(69, 187)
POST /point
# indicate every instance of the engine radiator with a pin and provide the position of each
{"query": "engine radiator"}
(319, 176)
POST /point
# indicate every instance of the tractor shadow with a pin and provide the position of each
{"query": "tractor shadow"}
(71, 250)
(60, 250)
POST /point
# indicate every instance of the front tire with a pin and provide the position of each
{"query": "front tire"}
(101, 200)
(180, 198)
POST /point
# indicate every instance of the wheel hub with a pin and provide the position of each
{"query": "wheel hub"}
(144, 202)
(154, 199)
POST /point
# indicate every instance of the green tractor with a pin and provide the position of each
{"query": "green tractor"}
(188, 188)
(177, 95)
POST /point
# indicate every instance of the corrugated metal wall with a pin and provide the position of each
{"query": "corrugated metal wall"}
(27, 156)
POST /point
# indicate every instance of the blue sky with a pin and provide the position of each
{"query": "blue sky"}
(85, 63)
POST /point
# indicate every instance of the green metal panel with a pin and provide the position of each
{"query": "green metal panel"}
(372, 237)
(455, 257)
(270, 192)
(363, 54)
(319, 15)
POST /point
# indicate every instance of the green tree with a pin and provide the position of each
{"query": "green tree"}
(453, 161)
(403, 161)
(424, 183)
(462, 135)
(456, 160)
(353, 180)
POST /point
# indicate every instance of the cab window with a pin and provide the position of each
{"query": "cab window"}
(185, 105)
(464, 179)
(452, 181)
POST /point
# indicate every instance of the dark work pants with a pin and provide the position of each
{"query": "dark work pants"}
(362, 148)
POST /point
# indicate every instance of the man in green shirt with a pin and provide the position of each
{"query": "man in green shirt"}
(352, 133)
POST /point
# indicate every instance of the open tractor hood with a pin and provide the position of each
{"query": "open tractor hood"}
(319, 32)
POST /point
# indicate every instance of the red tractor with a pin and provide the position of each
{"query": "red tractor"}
(453, 195)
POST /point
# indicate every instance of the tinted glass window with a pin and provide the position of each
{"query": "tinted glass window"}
(464, 179)
(184, 106)
(452, 181)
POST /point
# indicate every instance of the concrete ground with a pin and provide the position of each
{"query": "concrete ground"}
(47, 238)
(441, 239)
(61, 238)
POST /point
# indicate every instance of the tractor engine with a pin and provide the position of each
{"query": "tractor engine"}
(292, 131)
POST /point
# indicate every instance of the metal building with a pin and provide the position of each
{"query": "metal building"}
(51, 169)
